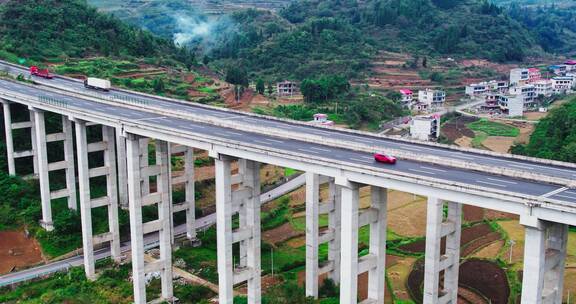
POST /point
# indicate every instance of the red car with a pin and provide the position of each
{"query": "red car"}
(385, 158)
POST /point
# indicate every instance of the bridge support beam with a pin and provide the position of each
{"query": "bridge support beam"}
(87, 202)
(435, 261)
(9, 127)
(187, 180)
(139, 198)
(544, 261)
(314, 209)
(228, 203)
(45, 166)
(122, 170)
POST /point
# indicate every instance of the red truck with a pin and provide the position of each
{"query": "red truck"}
(44, 73)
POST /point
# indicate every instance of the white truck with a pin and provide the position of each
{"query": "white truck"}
(97, 84)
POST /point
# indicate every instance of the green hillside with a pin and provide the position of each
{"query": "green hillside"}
(52, 30)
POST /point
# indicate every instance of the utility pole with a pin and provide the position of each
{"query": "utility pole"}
(272, 261)
(511, 243)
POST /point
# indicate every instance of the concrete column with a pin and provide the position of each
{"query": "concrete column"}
(312, 233)
(252, 181)
(112, 191)
(144, 162)
(69, 159)
(544, 261)
(42, 154)
(165, 217)
(122, 170)
(435, 261)
(243, 256)
(334, 225)
(349, 262)
(190, 195)
(135, 207)
(9, 138)
(34, 142)
(534, 262)
(224, 230)
(377, 274)
(85, 202)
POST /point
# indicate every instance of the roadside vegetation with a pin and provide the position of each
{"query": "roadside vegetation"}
(554, 137)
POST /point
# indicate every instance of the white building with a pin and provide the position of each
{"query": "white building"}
(527, 93)
(425, 127)
(521, 76)
(432, 98)
(286, 88)
(491, 86)
(513, 104)
(407, 97)
(543, 87)
(322, 119)
(562, 84)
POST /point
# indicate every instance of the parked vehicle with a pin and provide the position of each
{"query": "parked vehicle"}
(385, 158)
(97, 84)
(44, 73)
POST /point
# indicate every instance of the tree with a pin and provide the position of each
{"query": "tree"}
(158, 85)
(260, 86)
(239, 78)
(425, 62)
(270, 88)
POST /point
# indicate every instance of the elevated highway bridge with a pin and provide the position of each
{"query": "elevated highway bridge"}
(541, 192)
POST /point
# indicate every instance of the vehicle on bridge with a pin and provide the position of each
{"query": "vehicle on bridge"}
(385, 158)
(97, 84)
(44, 73)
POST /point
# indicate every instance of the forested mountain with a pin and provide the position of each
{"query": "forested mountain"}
(48, 29)
(341, 36)
(554, 25)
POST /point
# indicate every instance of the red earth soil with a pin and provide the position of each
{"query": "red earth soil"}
(469, 234)
(17, 251)
(484, 277)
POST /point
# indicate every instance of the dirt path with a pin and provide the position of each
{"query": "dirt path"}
(17, 251)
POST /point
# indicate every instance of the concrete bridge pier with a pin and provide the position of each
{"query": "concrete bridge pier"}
(187, 180)
(544, 261)
(375, 262)
(438, 227)
(88, 202)
(45, 166)
(229, 203)
(122, 170)
(9, 126)
(314, 209)
(139, 198)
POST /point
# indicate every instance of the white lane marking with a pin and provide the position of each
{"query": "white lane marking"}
(571, 192)
(410, 149)
(308, 151)
(463, 157)
(262, 142)
(422, 171)
(234, 133)
(551, 193)
(502, 181)
(321, 149)
(368, 157)
(149, 118)
(433, 169)
(221, 134)
(521, 167)
(192, 128)
(363, 140)
(274, 140)
(565, 196)
(361, 160)
(492, 184)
